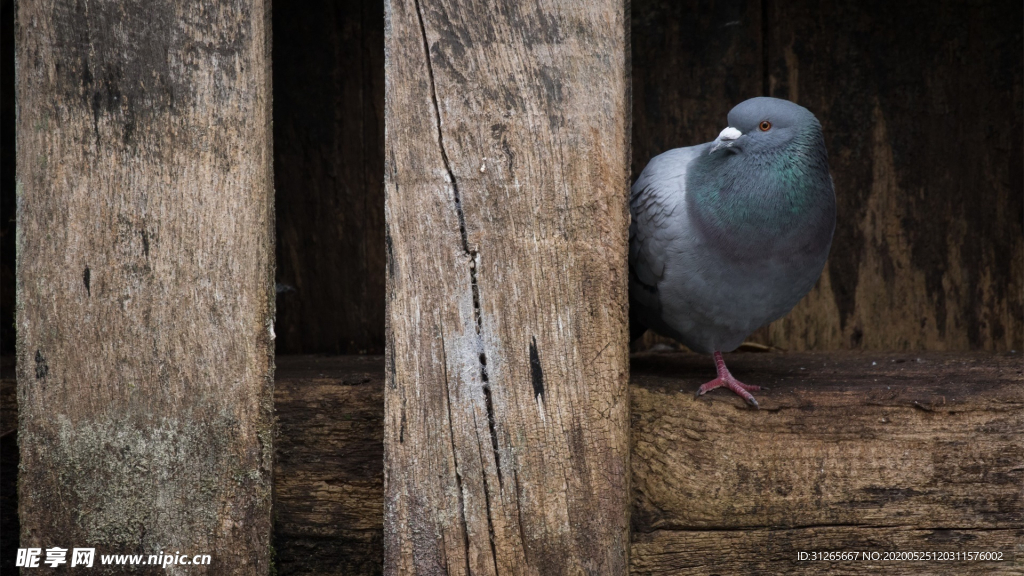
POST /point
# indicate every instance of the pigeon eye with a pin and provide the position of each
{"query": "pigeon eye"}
(765, 126)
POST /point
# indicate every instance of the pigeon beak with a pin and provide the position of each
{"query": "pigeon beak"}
(726, 139)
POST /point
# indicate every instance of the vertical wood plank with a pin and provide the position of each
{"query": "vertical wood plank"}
(145, 279)
(328, 161)
(506, 442)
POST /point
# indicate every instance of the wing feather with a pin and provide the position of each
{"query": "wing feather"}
(657, 211)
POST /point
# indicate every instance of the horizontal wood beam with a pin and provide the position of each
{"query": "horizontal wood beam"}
(329, 471)
(850, 451)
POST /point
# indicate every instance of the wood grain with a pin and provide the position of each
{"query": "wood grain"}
(850, 452)
(328, 167)
(506, 431)
(145, 280)
(329, 470)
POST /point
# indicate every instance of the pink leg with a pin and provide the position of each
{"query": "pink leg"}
(726, 379)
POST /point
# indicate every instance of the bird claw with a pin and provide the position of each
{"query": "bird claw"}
(741, 389)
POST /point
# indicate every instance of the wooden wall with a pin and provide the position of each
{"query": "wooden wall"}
(329, 176)
(921, 106)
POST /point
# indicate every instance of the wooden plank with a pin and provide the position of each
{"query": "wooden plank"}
(145, 279)
(856, 452)
(328, 162)
(506, 431)
(924, 133)
(329, 470)
(839, 440)
(869, 452)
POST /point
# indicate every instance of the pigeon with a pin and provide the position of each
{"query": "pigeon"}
(729, 235)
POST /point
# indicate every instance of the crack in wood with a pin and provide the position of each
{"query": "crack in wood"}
(401, 427)
(474, 257)
(487, 505)
(519, 515)
(490, 417)
(42, 368)
(440, 142)
(536, 371)
(455, 458)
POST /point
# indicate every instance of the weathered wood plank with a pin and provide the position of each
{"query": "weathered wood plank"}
(145, 279)
(329, 471)
(838, 440)
(328, 167)
(835, 461)
(506, 431)
(869, 452)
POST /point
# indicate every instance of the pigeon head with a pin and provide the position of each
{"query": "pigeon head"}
(766, 174)
(762, 125)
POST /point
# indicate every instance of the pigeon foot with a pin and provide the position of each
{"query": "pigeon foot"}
(727, 380)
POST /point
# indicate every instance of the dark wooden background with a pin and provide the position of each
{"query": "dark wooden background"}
(329, 176)
(921, 104)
